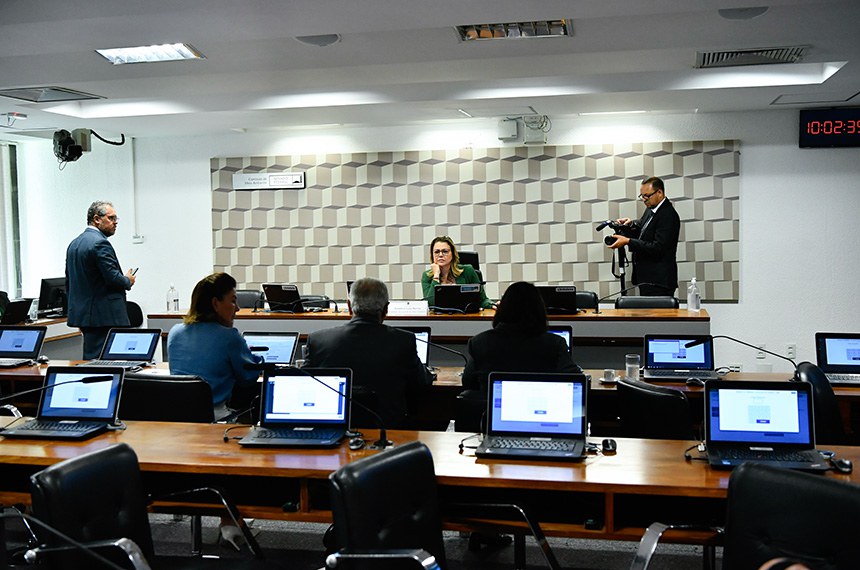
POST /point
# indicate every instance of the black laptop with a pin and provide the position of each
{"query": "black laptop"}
(558, 299)
(457, 298)
(535, 415)
(667, 358)
(78, 402)
(16, 312)
(839, 356)
(131, 349)
(306, 407)
(20, 345)
(763, 422)
(283, 298)
(274, 347)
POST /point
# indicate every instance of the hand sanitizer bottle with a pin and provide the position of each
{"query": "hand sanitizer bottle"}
(694, 299)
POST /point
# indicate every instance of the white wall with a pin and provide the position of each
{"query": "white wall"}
(799, 209)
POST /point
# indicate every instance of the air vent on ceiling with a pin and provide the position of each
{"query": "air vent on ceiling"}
(760, 56)
(47, 94)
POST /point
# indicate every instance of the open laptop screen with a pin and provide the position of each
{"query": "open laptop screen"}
(274, 347)
(21, 342)
(422, 338)
(564, 331)
(670, 353)
(297, 399)
(838, 352)
(524, 403)
(759, 415)
(95, 398)
(130, 344)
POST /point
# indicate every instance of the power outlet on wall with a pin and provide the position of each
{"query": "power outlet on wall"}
(760, 355)
(791, 350)
(736, 367)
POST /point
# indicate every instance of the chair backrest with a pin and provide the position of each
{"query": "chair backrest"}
(775, 513)
(249, 298)
(470, 408)
(470, 258)
(653, 412)
(388, 500)
(655, 302)
(95, 496)
(163, 398)
(586, 300)
(135, 314)
(828, 419)
(4, 300)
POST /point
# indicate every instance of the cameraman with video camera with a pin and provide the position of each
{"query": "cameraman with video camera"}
(653, 239)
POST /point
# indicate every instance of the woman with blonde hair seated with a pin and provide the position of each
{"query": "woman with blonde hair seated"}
(445, 269)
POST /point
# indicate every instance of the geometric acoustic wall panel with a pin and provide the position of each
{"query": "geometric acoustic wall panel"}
(529, 212)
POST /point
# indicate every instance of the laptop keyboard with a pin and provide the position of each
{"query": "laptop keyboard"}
(751, 455)
(844, 378)
(681, 373)
(118, 363)
(10, 362)
(269, 433)
(533, 444)
(48, 425)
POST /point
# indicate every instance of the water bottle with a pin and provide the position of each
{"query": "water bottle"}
(172, 300)
(694, 299)
(34, 311)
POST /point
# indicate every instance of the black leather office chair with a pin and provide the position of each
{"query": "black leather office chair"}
(471, 258)
(4, 300)
(389, 501)
(135, 314)
(165, 398)
(653, 412)
(828, 418)
(249, 298)
(586, 300)
(470, 409)
(637, 302)
(99, 495)
(776, 513)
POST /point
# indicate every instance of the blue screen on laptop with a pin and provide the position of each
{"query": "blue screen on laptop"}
(768, 417)
(531, 406)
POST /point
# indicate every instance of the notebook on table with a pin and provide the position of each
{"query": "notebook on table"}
(457, 298)
(668, 358)
(131, 349)
(20, 345)
(78, 402)
(839, 356)
(558, 299)
(302, 407)
(274, 347)
(766, 422)
(534, 415)
(283, 298)
(16, 312)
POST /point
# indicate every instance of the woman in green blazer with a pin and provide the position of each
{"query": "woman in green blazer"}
(445, 269)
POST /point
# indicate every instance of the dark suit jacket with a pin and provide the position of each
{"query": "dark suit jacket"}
(382, 359)
(95, 283)
(655, 248)
(507, 349)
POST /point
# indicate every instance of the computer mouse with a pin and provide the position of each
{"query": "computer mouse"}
(43, 359)
(609, 446)
(695, 382)
(841, 465)
(356, 443)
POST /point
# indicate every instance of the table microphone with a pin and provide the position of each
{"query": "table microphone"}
(597, 306)
(380, 443)
(702, 340)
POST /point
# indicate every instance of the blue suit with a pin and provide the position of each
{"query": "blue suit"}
(95, 286)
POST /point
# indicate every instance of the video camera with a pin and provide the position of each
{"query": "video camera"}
(620, 229)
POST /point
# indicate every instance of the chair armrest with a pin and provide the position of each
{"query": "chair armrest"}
(129, 548)
(231, 508)
(416, 557)
(649, 540)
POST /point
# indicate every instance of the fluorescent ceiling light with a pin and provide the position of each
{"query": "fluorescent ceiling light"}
(637, 112)
(150, 54)
(105, 110)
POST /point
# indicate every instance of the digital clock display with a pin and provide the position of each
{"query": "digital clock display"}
(830, 127)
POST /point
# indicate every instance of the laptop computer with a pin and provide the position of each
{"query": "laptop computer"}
(20, 345)
(131, 349)
(768, 422)
(302, 407)
(565, 332)
(558, 299)
(839, 356)
(422, 337)
(533, 415)
(668, 359)
(457, 298)
(16, 312)
(77, 403)
(274, 347)
(283, 298)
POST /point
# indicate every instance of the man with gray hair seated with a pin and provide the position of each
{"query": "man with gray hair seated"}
(383, 359)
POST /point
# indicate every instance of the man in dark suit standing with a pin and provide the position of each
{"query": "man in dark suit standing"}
(655, 243)
(95, 284)
(383, 359)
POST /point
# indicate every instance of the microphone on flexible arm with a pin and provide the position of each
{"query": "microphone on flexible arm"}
(697, 342)
(439, 346)
(380, 443)
(597, 307)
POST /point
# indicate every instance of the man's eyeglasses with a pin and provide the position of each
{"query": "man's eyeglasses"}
(644, 197)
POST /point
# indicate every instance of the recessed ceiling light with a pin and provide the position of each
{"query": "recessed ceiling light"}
(742, 13)
(516, 30)
(321, 40)
(150, 54)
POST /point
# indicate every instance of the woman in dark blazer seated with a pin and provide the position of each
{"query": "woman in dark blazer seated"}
(445, 269)
(518, 342)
